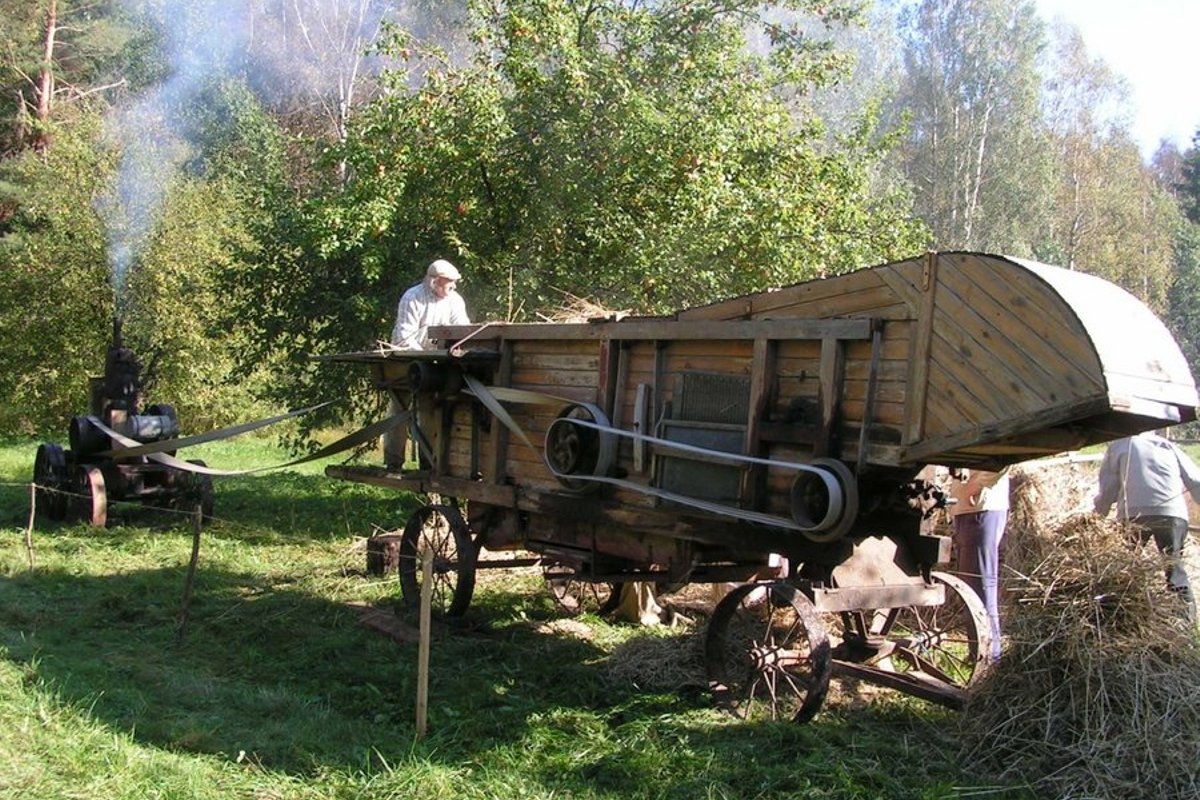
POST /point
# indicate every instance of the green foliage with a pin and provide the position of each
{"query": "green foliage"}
(1184, 297)
(182, 292)
(639, 155)
(55, 300)
(1112, 219)
(1189, 185)
(177, 306)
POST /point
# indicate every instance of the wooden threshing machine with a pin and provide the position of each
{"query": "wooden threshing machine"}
(776, 442)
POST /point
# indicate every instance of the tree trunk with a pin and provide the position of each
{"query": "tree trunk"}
(44, 90)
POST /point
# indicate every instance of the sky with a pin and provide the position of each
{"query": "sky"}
(1153, 44)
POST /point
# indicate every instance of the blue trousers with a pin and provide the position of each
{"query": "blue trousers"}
(978, 536)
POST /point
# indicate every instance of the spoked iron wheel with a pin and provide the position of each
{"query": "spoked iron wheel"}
(767, 656)
(90, 503)
(442, 530)
(50, 478)
(950, 642)
(577, 596)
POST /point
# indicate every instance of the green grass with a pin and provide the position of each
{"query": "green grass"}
(275, 691)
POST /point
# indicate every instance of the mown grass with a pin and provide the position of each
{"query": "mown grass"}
(275, 691)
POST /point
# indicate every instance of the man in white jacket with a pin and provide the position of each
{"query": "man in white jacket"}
(1146, 477)
(433, 301)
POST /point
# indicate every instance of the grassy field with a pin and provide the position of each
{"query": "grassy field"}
(276, 691)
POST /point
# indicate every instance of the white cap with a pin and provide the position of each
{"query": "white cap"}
(443, 269)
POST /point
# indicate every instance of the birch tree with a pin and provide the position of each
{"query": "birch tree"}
(970, 94)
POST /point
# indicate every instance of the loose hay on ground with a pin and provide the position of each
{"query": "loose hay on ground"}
(1098, 693)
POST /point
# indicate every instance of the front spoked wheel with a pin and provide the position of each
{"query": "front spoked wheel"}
(441, 530)
(768, 657)
(950, 642)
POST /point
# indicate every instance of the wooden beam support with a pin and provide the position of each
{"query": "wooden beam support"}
(921, 351)
(829, 395)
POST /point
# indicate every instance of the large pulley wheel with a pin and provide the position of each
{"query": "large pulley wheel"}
(574, 449)
(951, 642)
(825, 502)
(768, 657)
(90, 500)
(575, 595)
(50, 479)
(440, 530)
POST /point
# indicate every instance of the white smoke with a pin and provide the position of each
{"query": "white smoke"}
(201, 40)
(295, 54)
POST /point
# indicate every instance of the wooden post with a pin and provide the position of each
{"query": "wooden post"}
(423, 641)
(29, 529)
(198, 521)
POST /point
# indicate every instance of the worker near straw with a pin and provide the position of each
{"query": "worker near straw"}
(433, 301)
(1146, 477)
(980, 514)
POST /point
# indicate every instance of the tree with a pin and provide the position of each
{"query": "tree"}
(975, 151)
(55, 300)
(1109, 216)
(61, 51)
(640, 154)
(1189, 183)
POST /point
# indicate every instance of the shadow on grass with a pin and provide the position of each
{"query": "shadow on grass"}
(278, 673)
(294, 684)
(292, 681)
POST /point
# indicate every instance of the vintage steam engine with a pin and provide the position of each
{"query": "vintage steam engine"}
(99, 467)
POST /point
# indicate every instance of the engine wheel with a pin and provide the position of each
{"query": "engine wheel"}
(90, 503)
(442, 530)
(50, 478)
(767, 659)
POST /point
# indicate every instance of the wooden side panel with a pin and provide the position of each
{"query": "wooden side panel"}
(860, 293)
(728, 357)
(1003, 347)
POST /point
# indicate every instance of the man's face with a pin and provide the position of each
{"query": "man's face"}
(442, 287)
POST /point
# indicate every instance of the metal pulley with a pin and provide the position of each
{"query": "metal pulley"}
(824, 501)
(573, 449)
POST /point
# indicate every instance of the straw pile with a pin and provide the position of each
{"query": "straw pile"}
(664, 661)
(1098, 693)
(578, 309)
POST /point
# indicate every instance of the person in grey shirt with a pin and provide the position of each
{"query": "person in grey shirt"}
(1146, 476)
